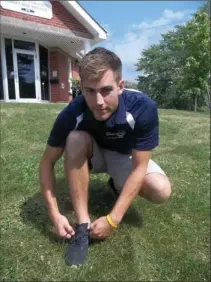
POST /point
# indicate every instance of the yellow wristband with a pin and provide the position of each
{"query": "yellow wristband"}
(110, 221)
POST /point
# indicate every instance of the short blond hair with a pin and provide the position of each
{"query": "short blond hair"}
(96, 62)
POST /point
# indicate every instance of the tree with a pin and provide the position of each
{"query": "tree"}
(197, 64)
(205, 8)
(177, 68)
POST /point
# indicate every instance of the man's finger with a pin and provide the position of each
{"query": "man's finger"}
(93, 224)
(69, 230)
(96, 236)
(93, 233)
(68, 236)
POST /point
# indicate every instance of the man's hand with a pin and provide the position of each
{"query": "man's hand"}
(62, 227)
(100, 228)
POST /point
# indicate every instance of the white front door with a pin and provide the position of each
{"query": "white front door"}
(26, 76)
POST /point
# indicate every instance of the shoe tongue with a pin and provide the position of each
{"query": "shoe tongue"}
(82, 228)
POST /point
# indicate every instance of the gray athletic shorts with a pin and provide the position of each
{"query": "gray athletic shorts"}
(117, 165)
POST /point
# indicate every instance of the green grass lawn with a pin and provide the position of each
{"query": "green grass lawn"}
(168, 242)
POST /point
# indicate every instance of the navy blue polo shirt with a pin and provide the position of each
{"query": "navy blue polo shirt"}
(134, 125)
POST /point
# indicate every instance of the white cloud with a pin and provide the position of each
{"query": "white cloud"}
(140, 37)
(169, 14)
(168, 17)
(129, 48)
(130, 36)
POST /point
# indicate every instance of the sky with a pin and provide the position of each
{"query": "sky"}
(133, 26)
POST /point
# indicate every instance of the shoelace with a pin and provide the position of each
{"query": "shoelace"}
(79, 240)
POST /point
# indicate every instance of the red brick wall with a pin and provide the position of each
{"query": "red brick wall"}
(59, 62)
(61, 18)
(64, 76)
(54, 66)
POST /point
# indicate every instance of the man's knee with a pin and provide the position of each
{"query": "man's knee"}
(162, 195)
(156, 188)
(78, 143)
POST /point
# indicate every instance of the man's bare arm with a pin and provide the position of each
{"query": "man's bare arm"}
(132, 185)
(47, 178)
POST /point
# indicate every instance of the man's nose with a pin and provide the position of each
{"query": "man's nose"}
(99, 99)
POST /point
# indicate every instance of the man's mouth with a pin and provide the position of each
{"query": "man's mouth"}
(102, 111)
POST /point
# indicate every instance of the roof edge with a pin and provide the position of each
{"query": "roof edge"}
(86, 19)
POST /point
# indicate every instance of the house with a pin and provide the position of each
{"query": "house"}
(42, 43)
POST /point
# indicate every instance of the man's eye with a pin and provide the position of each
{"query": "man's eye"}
(89, 91)
(106, 90)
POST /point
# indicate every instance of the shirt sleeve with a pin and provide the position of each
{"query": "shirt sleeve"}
(64, 123)
(146, 130)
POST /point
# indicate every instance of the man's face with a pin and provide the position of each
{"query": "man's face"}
(102, 95)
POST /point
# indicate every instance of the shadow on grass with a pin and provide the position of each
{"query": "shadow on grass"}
(101, 201)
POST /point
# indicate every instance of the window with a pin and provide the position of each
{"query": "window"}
(19, 44)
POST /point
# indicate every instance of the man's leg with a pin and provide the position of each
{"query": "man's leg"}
(77, 152)
(156, 185)
(81, 152)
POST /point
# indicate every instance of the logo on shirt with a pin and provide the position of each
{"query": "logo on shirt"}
(115, 135)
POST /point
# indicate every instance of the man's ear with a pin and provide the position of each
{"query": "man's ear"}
(121, 86)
